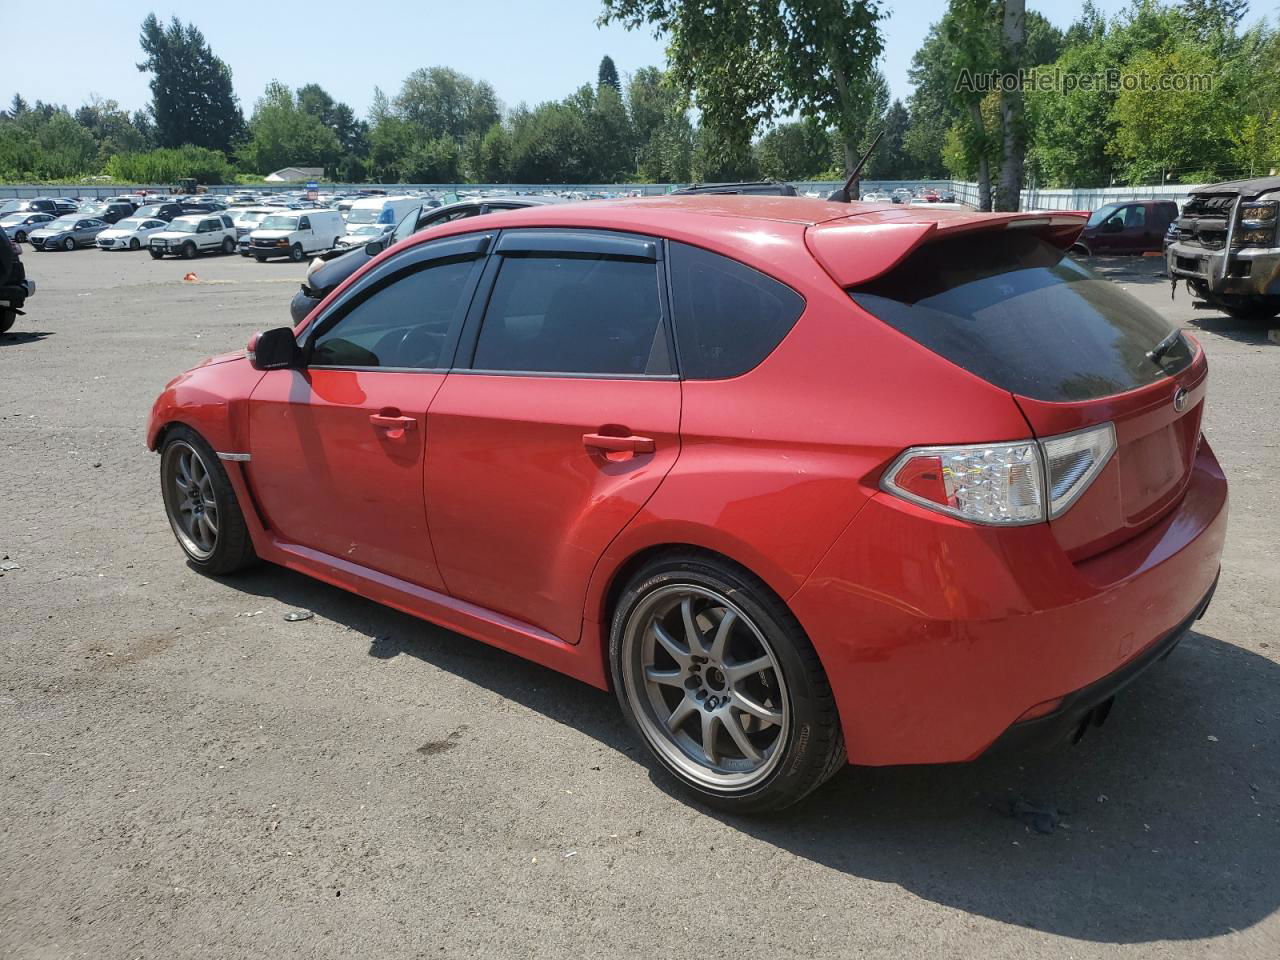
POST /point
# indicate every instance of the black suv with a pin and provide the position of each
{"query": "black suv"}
(15, 288)
(110, 211)
(167, 211)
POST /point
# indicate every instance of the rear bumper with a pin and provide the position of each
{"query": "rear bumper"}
(938, 636)
(1092, 703)
(1251, 272)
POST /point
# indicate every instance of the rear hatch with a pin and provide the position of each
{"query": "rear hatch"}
(1076, 352)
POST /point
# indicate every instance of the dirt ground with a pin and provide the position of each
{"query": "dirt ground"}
(184, 774)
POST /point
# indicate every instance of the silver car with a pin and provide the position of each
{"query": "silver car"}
(67, 233)
(18, 225)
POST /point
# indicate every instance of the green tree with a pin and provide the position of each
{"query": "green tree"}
(607, 75)
(794, 151)
(192, 100)
(282, 134)
(111, 127)
(1159, 131)
(895, 161)
(547, 145)
(747, 63)
(169, 164)
(608, 131)
(46, 146)
(442, 102)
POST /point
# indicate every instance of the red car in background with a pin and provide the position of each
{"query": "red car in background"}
(805, 483)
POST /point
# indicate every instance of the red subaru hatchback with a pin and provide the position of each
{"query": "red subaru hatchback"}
(805, 483)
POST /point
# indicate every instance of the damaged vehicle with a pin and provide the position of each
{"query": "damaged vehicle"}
(1226, 248)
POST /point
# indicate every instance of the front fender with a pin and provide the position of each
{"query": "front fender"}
(210, 399)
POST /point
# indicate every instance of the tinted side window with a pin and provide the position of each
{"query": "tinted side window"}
(573, 314)
(404, 322)
(728, 316)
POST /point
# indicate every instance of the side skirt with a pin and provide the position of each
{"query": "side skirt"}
(583, 661)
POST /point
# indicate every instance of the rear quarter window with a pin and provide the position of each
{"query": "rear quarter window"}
(1015, 310)
(728, 316)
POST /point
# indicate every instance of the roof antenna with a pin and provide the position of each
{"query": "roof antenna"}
(842, 195)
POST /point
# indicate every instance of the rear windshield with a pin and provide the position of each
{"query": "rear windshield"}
(1018, 312)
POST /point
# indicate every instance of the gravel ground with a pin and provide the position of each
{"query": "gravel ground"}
(185, 774)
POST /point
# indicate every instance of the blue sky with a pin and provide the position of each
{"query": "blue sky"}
(530, 51)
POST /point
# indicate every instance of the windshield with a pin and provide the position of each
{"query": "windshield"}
(184, 226)
(151, 211)
(368, 230)
(1018, 312)
(364, 215)
(133, 223)
(14, 218)
(63, 223)
(407, 226)
(1102, 213)
(279, 222)
(253, 216)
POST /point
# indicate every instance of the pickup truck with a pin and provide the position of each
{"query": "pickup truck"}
(1226, 247)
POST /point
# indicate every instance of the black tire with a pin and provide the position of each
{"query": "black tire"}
(69, 244)
(232, 549)
(20, 236)
(156, 254)
(1252, 312)
(188, 251)
(807, 747)
(133, 243)
(7, 319)
(228, 245)
(1080, 250)
(260, 258)
(296, 253)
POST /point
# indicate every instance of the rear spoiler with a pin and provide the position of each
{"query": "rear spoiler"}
(857, 249)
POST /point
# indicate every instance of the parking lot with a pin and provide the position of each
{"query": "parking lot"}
(187, 774)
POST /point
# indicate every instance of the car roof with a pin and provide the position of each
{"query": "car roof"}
(197, 217)
(769, 233)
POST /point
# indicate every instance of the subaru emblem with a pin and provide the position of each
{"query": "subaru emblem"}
(1180, 400)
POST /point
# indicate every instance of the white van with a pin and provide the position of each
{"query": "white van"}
(380, 210)
(296, 233)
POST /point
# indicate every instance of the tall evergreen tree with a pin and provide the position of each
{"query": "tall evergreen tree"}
(192, 100)
(607, 76)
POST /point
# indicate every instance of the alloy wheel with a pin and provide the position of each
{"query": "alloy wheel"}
(189, 499)
(705, 686)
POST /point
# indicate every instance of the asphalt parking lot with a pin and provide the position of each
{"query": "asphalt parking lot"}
(185, 774)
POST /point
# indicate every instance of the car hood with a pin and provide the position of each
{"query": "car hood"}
(270, 234)
(221, 358)
(48, 232)
(114, 232)
(170, 235)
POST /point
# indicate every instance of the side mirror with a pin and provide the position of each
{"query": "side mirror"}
(373, 247)
(274, 350)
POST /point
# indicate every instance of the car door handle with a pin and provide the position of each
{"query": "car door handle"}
(632, 444)
(389, 420)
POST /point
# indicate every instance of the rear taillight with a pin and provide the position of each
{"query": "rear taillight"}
(1002, 483)
(988, 483)
(1072, 461)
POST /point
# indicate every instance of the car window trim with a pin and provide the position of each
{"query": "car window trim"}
(581, 243)
(419, 257)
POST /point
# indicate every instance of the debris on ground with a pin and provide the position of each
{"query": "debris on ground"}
(255, 613)
(295, 615)
(1041, 819)
(191, 278)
